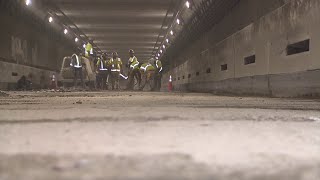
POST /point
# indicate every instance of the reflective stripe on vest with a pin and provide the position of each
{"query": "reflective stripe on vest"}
(78, 65)
(145, 68)
(102, 66)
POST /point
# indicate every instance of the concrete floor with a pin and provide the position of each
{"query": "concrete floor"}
(130, 135)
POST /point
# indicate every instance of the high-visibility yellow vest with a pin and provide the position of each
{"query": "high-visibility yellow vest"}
(89, 50)
(147, 67)
(115, 64)
(133, 63)
(159, 65)
(76, 61)
(102, 64)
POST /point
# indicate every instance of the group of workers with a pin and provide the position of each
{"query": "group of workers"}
(111, 69)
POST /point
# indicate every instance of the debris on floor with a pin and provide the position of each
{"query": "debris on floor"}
(3, 94)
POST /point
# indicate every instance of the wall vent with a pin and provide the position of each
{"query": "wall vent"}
(224, 67)
(299, 47)
(250, 60)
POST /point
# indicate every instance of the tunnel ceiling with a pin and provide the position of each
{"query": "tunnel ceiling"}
(119, 25)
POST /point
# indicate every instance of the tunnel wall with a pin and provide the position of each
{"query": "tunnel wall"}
(28, 47)
(274, 73)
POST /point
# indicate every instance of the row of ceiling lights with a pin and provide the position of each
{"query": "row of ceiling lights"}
(166, 41)
(51, 20)
(161, 49)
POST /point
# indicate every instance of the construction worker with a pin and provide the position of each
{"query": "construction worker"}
(76, 63)
(147, 71)
(90, 54)
(102, 71)
(158, 75)
(115, 65)
(133, 65)
(89, 49)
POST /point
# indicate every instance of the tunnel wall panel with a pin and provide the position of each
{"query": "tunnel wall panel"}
(29, 47)
(273, 72)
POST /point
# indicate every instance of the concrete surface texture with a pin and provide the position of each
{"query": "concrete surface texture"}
(129, 135)
(266, 31)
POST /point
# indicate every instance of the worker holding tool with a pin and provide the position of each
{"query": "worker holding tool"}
(133, 65)
(77, 63)
(147, 71)
(115, 65)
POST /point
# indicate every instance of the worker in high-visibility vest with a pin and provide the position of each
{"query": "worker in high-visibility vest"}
(133, 65)
(89, 49)
(76, 63)
(158, 75)
(102, 71)
(147, 71)
(89, 53)
(115, 65)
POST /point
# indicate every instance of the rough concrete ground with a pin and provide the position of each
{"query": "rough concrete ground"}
(130, 135)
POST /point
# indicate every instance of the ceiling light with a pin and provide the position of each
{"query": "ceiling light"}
(157, 58)
(65, 31)
(76, 39)
(188, 4)
(158, 54)
(50, 19)
(178, 21)
(163, 46)
(28, 2)
(167, 40)
(84, 46)
(161, 51)
(171, 32)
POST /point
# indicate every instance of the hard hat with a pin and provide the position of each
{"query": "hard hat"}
(151, 60)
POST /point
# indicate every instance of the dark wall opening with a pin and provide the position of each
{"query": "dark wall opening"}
(299, 47)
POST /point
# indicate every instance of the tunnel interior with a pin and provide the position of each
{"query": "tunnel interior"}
(199, 90)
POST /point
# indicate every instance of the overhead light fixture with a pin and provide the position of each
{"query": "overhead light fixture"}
(65, 31)
(178, 21)
(28, 2)
(188, 4)
(171, 32)
(163, 46)
(167, 40)
(161, 51)
(50, 19)
(84, 46)
(158, 54)
(157, 58)
(76, 39)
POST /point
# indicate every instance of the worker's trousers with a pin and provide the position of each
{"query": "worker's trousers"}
(115, 80)
(147, 78)
(132, 75)
(157, 81)
(78, 74)
(102, 77)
